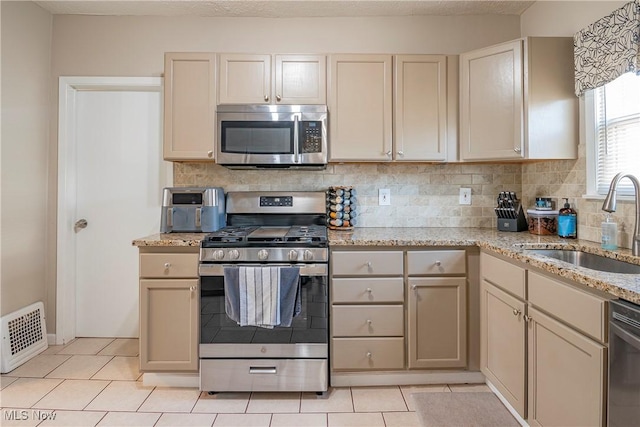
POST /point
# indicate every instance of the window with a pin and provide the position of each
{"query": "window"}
(615, 145)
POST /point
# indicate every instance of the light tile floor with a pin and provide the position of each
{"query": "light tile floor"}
(95, 381)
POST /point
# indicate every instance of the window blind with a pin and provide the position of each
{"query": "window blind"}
(617, 121)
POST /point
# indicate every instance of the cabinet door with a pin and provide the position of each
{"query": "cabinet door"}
(245, 79)
(360, 107)
(566, 375)
(189, 106)
(437, 335)
(169, 325)
(420, 107)
(492, 105)
(502, 344)
(300, 79)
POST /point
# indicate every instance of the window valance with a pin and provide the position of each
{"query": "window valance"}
(608, 48)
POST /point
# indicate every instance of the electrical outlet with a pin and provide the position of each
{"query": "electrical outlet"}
(465, 196)
(384, 196)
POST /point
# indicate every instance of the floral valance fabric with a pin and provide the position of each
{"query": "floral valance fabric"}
(608, 48)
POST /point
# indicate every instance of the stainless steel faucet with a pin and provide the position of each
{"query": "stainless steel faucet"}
(609, 205)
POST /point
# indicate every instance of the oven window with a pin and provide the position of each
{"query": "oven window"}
(310, 326)
(257, 137)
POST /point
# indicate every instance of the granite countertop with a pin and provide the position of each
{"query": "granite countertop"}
(509, 244)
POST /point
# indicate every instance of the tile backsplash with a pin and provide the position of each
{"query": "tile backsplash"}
(422, 195)
(426, 195)
(568, 178)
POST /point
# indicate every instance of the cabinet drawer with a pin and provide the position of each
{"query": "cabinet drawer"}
(436, 262)
(503, 274)
(263, 374)
(370, 290)
(367, 353)
(168, 265)
(368, 321)
(579, 309)
(367, 263)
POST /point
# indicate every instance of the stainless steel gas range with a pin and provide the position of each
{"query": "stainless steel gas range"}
(266, 229)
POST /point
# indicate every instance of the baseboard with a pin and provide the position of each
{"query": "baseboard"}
(171, 380)
(356, 379)
(510, 408)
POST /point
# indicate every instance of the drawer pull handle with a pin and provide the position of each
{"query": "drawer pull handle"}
(369, 355)
(438, 263)
(516, 311)
(167, 265)
(263, 370)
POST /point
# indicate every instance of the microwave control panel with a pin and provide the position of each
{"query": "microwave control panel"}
(310, 137)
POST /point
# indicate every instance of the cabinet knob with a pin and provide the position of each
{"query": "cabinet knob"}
(517, 149)
(401, 153)
(192, 288)
(266, 98)
(438, 263)
(414, 287)
(369, 290)
(278, 98)
(368, 264)
(388, 153)
(369, 355)
(369, 322)
(516, 311)
(528, 318)
(209, 153)
(167, 265)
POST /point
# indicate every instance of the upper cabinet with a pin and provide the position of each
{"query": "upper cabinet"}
(360, 109)
(189, 106)
(420, 108)
(272, 79)
(392, 108)
(517, 101)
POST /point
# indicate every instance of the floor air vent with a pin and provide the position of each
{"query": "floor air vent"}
(24, 335)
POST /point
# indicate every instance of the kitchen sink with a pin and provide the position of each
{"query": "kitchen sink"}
(589, 260)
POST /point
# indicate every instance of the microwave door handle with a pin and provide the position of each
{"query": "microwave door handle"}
(296, 140)
(198, 217)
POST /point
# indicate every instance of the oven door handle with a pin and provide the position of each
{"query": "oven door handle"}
(207, 270)
(630, 338)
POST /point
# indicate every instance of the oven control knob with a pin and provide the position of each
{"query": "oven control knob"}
(308, 255)
(293, 255)
(263, 254)
(218, 255)
(234, 254)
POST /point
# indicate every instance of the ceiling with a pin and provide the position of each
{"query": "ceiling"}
(285, 8)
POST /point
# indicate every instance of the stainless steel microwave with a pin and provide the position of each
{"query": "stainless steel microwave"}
(272, 136)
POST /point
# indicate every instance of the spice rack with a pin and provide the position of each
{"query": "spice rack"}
(341, 208)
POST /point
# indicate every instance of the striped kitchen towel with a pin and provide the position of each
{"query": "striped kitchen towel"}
(259, 296)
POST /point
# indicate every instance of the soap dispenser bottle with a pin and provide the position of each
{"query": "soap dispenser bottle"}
(609, 234)
(567, 221)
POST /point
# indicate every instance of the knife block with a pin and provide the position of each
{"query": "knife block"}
(519, 223)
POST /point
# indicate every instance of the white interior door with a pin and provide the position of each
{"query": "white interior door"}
(114, 179)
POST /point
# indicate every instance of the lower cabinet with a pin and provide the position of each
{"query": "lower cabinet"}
(566, 375)
(503, 344)
(394, 309)
(169, 309)
(169, 325)
(543, 344)
(437, 336)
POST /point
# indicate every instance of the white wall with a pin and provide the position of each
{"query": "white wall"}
(26, 86)
(564, 18)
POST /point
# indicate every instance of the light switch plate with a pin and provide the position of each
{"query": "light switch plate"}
(465, 196)
(384, 196)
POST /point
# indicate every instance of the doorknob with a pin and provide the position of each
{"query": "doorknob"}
(80, 224)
